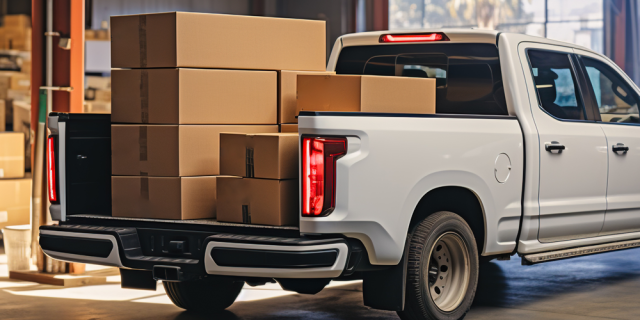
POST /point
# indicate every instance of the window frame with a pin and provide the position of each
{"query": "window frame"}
(589, 88)
(588, 113)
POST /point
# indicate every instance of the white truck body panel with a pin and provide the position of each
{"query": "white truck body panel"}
(392, 162)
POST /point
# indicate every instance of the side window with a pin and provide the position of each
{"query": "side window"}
(556, 84)
(617, 101)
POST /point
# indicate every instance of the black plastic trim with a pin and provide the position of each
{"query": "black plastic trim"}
(401, 115)
(278, 259)
(99, 248)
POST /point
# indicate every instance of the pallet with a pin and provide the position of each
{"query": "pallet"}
(65, 279)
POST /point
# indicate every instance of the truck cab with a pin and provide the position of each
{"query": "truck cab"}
(532, 150)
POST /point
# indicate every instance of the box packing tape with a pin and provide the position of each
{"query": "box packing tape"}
(144, 96)
(142, 141)
(142, 35)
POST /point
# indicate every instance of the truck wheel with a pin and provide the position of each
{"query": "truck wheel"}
(203, 295)
(442, 272)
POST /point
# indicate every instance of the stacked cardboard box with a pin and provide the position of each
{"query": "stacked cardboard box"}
(97, 95)
(267, 193)
(15, 34)
(15, 188)
(176, 91)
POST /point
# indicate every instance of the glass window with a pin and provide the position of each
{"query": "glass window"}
(556, 84)
(617, 101)
(468, 76)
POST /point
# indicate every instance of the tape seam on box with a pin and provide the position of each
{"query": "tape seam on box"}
(142, 35)
(144, 96)
(249, 167)
(144, 188)
(142, 141)
(246, 214)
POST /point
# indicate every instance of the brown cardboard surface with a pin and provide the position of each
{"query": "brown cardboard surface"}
(171, 150)
(3, 113)
(356, 93)
(289, 127)
(20, 81)
(177, 198)
(22, 123)
(20, 21)
(176, 39)
(267, 155)
(287, 100)
(194, 96)
(15, 201)
(258, 201)
(11, 155)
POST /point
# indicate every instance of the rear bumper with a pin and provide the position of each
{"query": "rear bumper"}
(221, 254)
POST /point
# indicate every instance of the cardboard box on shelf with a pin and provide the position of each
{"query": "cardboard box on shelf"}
(355, 93)
(261, 155)
(11, 155)
(171, 150)
(17, 39)
(20, 81)
(194, 96)
(25, 66)
(96, 107)
(89, 34)
(15, 201)
(258, 201)
(95, 82)
(22, 123)
(288, 93)
(176, 198)
(175, 39)
(289, 127)
(17, 21)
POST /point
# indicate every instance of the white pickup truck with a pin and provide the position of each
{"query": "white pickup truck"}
(534, 150)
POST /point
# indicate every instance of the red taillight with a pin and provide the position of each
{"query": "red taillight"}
(419, 37)
(51, 170)
(319, 156)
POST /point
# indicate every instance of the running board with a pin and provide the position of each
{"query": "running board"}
(536, 258)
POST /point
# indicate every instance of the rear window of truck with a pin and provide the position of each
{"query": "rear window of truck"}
(468, 75)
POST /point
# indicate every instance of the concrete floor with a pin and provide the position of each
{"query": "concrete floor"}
(597, 287)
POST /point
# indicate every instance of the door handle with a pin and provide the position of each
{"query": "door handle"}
(554, 146)
(620, 147)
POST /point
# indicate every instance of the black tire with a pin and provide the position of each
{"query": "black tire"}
(419, 304)
(203, 295)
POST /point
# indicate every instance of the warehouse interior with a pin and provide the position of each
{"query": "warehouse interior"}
(55, 56)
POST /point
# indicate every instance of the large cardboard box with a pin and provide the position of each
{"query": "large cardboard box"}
(17, 21)
(287, 98)
(289, 127)
(200, 40)
(3, 113)
(171, 150)
(194, 96)
(258, 201)
(262, 155)
(176, 198)
(22, 123)
(17, 39)
(11, 155)
(15, 202)
(20, 81)
(355, 93)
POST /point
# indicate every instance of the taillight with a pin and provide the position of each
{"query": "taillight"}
(51, 170)
(416, 37)
(319, 156)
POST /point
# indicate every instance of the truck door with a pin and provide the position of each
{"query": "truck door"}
(616, 102)
(573, 147)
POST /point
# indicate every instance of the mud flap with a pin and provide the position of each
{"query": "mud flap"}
(385, 289)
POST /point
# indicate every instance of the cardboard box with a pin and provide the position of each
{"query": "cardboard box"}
(194, 96)
(258, 201)
(20, 81)
(355, 93)
(17, 39)
(17, 21)
(11, 155)
(22, 123)
(177, 198)
(95, 82)
(289, 127)
(15, 202)
(171, 150)
(96, 107)
(262, 155)
(200, 40)
(287, 98)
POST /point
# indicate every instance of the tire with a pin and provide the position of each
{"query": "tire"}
(439, 288)
(203, 295)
